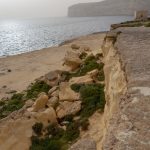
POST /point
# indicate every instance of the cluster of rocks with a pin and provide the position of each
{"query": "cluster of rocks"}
(61, 100)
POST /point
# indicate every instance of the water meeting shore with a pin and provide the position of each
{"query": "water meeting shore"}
(17, 72)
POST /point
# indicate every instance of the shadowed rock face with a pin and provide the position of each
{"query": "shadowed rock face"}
(108, 8)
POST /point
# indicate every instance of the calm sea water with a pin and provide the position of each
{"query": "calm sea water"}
(20, 36)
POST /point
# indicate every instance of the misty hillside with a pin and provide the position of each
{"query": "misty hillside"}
(108, 8)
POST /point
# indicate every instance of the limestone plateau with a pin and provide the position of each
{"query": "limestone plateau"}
(108, 8)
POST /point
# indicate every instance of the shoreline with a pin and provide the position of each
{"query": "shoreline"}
(18, 71)
(61, 44)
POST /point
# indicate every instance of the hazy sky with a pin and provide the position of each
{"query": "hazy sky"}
(36, 8)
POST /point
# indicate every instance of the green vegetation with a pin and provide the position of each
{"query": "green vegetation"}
(83, 55)
(147, 25)
(15, 103)
(56, 138)
(36, 88)
(134, 23)
(93, 98)
(37, 128)
(89, 64)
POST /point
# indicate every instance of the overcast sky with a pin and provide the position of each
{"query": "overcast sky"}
(36, 8)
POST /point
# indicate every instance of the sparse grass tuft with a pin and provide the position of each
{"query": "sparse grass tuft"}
(15, 103)
(35, 89)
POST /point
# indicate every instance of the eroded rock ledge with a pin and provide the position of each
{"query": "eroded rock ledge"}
(127, 78)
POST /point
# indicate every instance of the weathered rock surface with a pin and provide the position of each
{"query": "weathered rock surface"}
(84, 144)
(108, 8)
(72, 60)
(47, 116)
(52, 102)
(81, 80)
(68, 108)
(52, 90)
(16, 134)
(40, 102)
(127, 73)
(66, 93)
(52, 78)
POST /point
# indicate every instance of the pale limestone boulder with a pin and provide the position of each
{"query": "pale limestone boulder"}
(16, 134)
(93, 73)
(66, 93)
(52, 90)
(40, 102)
(52, 102)
(81, 80)
(72, 60)
(52, 78)
(68, 108)
(84, 144)
(47, 116)
(55, 93)
(29, 103)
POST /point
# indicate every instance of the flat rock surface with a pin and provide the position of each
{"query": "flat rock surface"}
(130, 129)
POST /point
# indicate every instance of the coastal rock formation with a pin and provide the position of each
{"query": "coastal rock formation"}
(68, 108)
(108, 8)
(47, 116)
(127, 76)
(81, 80)
(40, 103)
(66, 93)
(72, 60)
(84, 144)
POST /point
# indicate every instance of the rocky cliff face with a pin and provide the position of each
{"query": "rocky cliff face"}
(126, 115)
(108, 8)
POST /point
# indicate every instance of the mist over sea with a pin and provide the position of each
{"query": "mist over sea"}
(20, 36)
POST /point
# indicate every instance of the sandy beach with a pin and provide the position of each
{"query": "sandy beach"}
(17, 72)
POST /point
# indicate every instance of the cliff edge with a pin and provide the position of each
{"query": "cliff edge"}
(127, 79)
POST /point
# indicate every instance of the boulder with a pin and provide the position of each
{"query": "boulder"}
(86, 48)
(52, 90)
(72, 60)
(68, 108)
(93, 74)
(29, 103)
(66, 93)
(52, 78)
(52, 102)
(81, 80)
(55, 93)
(84, 144)
(47, 116)
(75, 46)
(40, 102)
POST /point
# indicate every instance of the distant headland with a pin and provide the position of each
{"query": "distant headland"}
(108, 8)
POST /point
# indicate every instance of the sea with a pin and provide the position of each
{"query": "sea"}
(21, 36)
